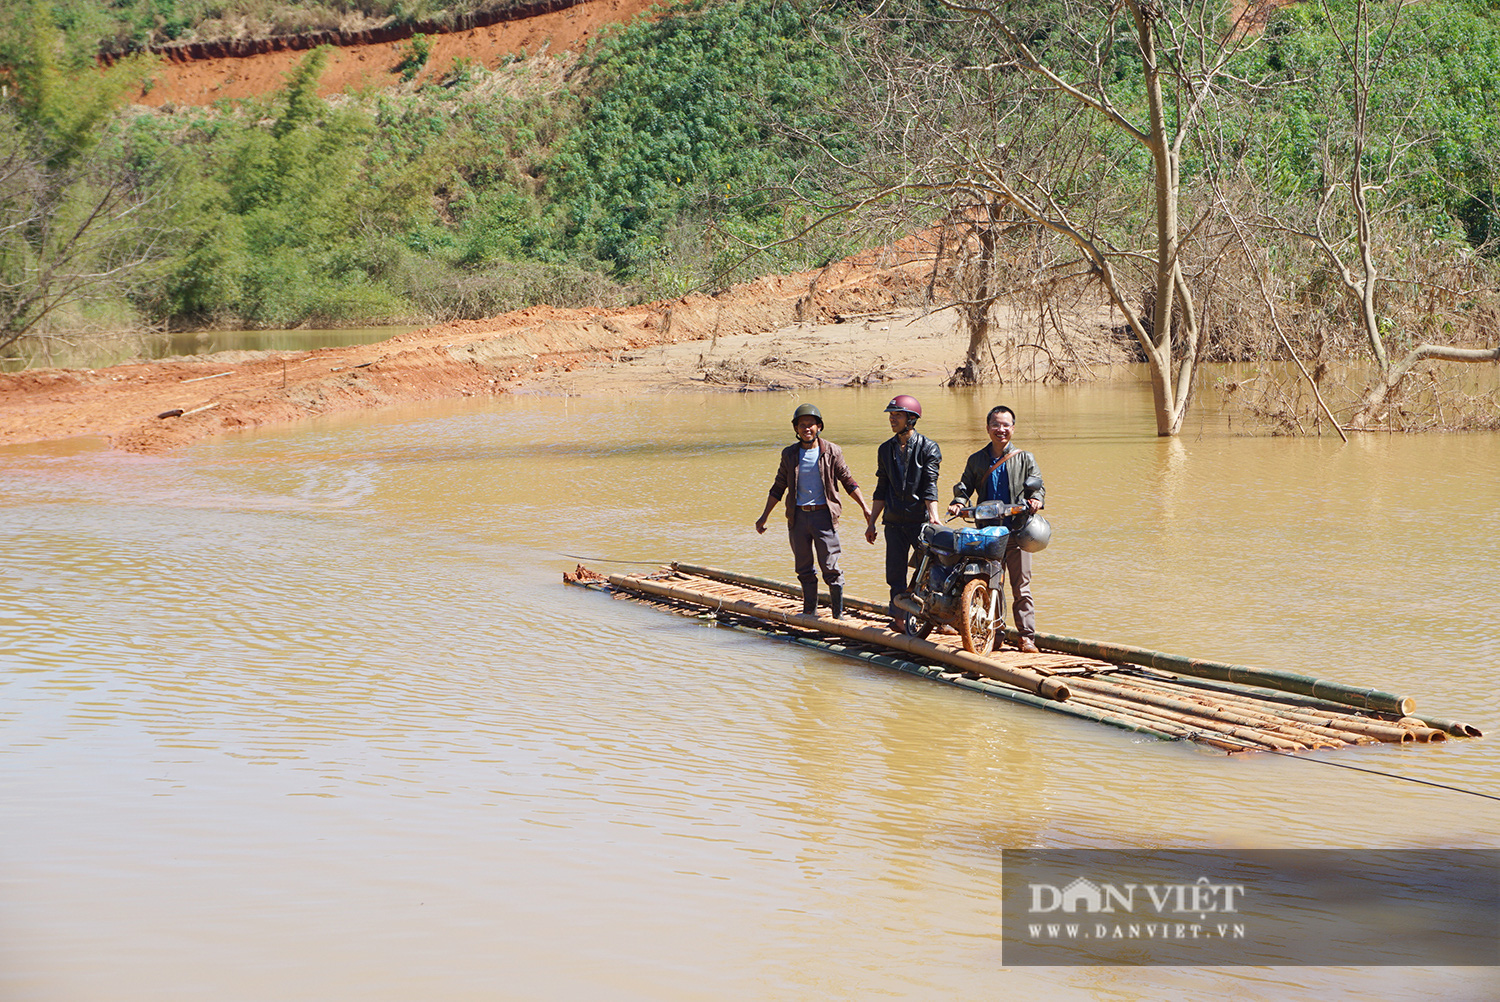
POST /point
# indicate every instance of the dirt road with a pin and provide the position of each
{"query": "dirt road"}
(375, 66)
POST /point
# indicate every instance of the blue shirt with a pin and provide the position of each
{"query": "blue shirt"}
(809, 483)
(997, 488)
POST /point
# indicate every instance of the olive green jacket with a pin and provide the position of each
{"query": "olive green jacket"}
(1018, 466)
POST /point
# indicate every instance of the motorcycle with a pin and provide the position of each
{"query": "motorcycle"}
(960, 572)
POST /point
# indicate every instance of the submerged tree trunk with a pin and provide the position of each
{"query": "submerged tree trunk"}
(980, 302)
(1372, 408)
(1170, 389)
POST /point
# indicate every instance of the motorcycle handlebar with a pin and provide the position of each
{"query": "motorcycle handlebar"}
(968, 513)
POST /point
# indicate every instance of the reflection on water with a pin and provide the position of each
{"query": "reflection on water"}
(99, 351)
(309, 715)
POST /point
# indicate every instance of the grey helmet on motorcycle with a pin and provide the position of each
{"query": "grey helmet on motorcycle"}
(906, 403)
(1034, 536)
(804, 411)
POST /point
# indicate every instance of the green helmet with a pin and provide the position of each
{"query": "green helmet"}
(804, 411)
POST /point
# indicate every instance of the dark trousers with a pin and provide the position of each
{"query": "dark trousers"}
(812, 535)
(900, 539)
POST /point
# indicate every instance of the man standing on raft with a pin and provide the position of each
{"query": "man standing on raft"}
(998, 472)
(813, 468)
(906, 491)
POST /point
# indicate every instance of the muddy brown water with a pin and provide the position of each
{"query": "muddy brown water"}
(310, 715)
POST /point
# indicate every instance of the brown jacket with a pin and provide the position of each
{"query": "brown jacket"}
(831, 467)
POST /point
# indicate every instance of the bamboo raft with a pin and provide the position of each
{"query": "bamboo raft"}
(1228, 707)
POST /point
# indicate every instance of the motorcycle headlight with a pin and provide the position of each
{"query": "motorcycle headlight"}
(990, 511)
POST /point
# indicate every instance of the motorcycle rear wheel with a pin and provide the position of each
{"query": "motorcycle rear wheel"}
(974, 626)
(918, 627)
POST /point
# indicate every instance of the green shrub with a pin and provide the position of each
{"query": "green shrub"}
(704, 114)
(1434, 130)
(413, 57)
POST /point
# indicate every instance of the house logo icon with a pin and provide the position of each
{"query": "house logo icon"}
(1084, 892)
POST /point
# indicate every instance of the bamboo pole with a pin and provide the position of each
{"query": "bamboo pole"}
(1423, 733)
(1273, 701)
(1263, 731)
(1179, 730)
(1255, 693)
(767, 584)
(1179, 724)
(1223, 715)
(1192, 723)
(1380, 730)
(1343, 725)
(1029, 681)
(1286, 681)
(1311, 735)
(1072, 709)
(1454, 727)
(1331, 720)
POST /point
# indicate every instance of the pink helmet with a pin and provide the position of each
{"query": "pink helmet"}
(905, 403)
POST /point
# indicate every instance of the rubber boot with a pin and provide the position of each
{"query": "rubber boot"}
(809, 600)
(836, 600)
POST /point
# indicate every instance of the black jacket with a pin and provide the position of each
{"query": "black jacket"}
(906, 500)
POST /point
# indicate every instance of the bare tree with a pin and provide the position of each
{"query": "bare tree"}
(1361, 206)
(1040, 117)
(975, 288)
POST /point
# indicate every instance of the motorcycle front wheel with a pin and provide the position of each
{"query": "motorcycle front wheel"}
(974, 626)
